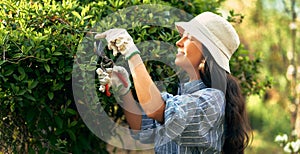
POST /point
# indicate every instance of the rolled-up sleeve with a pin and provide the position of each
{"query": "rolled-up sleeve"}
(147, 133)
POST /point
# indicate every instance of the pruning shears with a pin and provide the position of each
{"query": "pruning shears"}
(107, 63)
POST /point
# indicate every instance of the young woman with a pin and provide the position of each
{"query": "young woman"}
(208, 115)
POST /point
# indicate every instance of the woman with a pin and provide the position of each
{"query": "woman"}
(208, 114)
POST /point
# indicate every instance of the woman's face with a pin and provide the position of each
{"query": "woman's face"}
(189, 52)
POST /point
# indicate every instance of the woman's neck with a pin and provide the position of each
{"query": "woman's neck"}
(193, 74)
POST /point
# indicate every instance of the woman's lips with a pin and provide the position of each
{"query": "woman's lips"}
(179, 53)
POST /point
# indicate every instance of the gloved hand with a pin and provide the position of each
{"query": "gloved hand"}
(105, 80)
(120, 81)
(119, 41)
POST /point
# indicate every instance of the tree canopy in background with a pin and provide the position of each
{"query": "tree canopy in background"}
(39, 40)
(267, 29)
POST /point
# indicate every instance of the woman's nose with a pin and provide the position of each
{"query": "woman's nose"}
(180, 42)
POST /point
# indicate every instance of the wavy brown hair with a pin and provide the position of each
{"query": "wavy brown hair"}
(237, 128)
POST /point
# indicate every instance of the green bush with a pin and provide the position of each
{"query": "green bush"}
(39, 41)
(265, 119)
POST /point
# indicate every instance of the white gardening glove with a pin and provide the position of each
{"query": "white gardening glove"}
(120, 81)
(119, 41)
(105, 80)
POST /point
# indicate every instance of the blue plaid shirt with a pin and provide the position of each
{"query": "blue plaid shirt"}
(194, 122)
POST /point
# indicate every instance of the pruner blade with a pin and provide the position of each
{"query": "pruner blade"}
(99, 49)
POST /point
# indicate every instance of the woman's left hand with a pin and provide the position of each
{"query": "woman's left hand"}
(119, 41)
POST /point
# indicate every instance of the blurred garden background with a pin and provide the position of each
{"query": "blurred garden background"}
(39, 43)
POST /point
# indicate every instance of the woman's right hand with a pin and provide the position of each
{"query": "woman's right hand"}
(120, 81)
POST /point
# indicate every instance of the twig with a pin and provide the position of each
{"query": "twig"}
(18, 60)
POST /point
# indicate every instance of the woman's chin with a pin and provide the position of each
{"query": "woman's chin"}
(179, 63)
(180, 60)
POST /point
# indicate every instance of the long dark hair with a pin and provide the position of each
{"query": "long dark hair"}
(237, 125)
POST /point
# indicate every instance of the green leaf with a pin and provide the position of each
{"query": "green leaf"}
(71, 111)
(8, 72)
(59, 131)
(14, 88)
(73, 123)
(18, 55)
(2, 62)
(152, 30)
(93, 59)
(57, 53)
(50, 95)
(22, 72)
(76, 14)
(49, 111)
(47, 67)
(91, 68)
(87, 17)
(71, 134)
(30, 97)
(53, 48)
(21, 92)
(59, 122)
(15, 77)
(32, 84)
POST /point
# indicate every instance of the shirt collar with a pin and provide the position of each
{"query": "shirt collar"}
(192, 86)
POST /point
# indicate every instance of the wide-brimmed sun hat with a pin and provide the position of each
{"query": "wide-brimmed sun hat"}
(215, 33)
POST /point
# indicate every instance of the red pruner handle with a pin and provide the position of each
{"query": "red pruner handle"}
(107, 92)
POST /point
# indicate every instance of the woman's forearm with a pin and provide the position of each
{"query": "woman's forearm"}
(132, 112)
(148, 94)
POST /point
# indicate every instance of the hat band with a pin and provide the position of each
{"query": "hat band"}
(204, 30)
